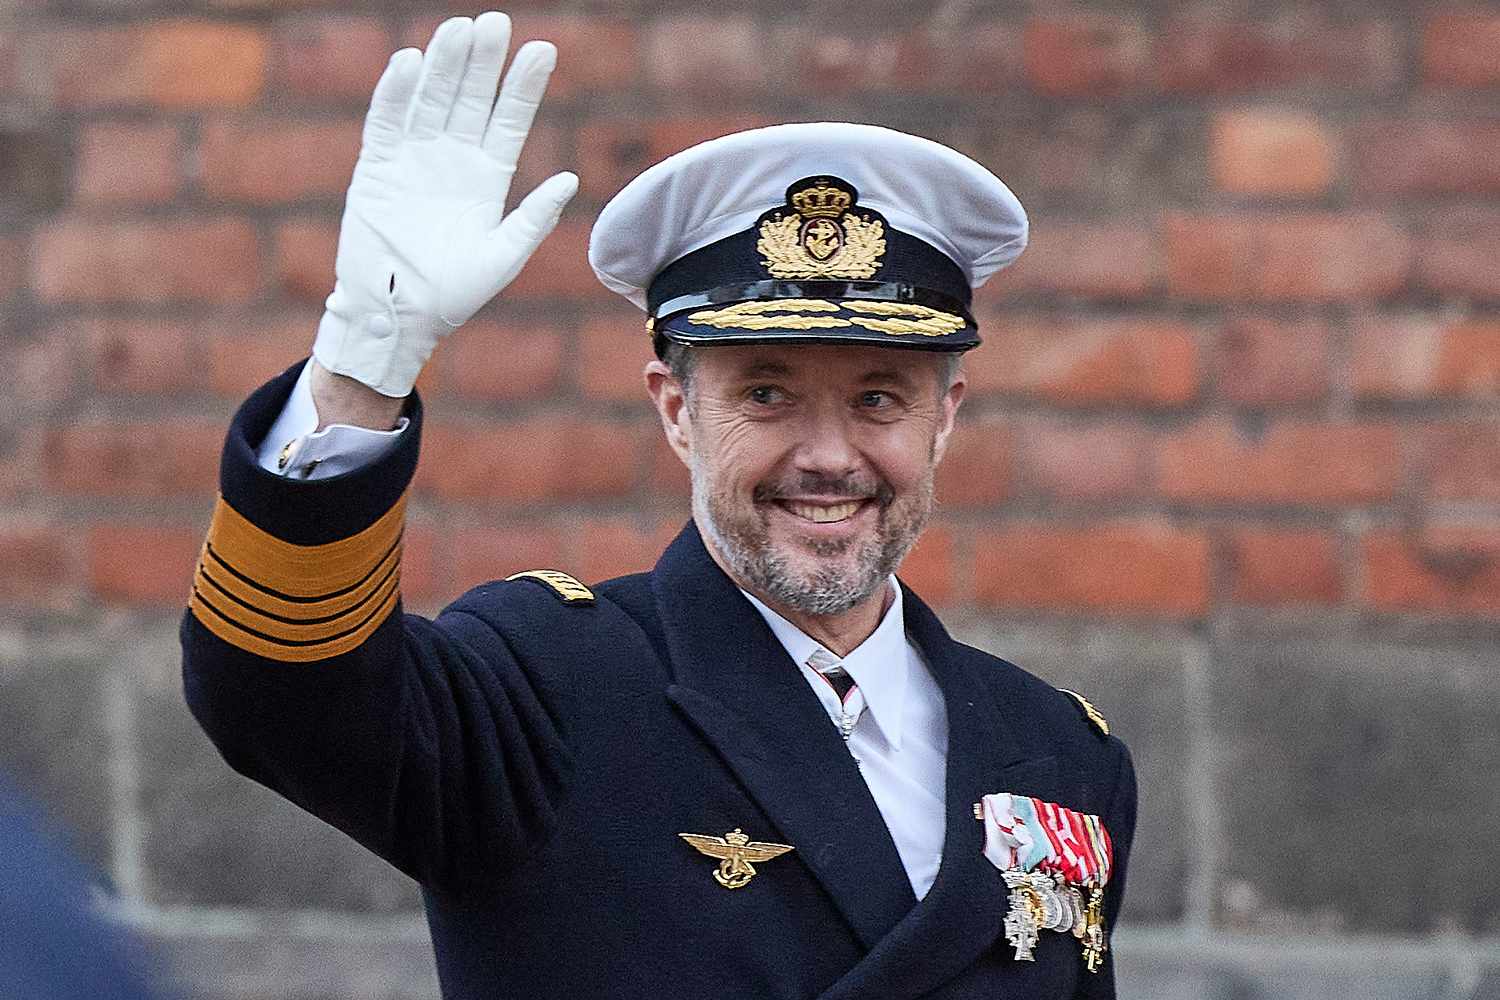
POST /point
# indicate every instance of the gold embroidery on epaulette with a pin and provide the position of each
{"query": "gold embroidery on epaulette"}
(296, 603)
(1089, 710)
(566, 587)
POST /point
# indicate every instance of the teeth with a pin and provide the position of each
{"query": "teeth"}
(823, 515)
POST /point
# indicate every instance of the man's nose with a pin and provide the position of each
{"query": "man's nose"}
(828, 446)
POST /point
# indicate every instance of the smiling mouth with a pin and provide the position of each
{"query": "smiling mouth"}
(822, 513)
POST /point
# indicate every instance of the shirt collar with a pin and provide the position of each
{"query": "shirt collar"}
(878, 665)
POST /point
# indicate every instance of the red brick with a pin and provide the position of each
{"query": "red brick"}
(978, 467)
(1423, 359)
(146, 356)
(978, 59)
(305, 251)
(331, 57)
(1318, 257)
(1086, 55)
(1444, 568)
(928, 568)
(616, 546)
(501, 361)
(613, 351)
(1265, 362)
(239, 361)
(560, 267)
(42, 376)
(680, 57)
(1270, 152)
(1088, 363)
(1207, 55)
(1458, 461)
(1419, 156)
(134, 164)
(839, 62)
(665, 136)
(1292, 462)
(270, 162)
(612, 151)
(668, 479)
(168, 458)
(1089, 461)
(171, 64)
(1462, 48)
(548, 150)
(12, 267)
(421, 582)
(42, 567)
(541, 459)
(1142, 567)
(1458, 252)
(117, 571)
(202, 259)
(1106, 260)
(479, 555)
(1272, 566)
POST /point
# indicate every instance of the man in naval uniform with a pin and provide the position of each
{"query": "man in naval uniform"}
(756, 771)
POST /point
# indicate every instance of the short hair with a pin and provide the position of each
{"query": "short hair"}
(681, 359)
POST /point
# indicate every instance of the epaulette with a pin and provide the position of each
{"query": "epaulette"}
(567, 589)
(1089, 711)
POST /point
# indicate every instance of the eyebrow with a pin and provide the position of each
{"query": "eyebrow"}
(761, 369)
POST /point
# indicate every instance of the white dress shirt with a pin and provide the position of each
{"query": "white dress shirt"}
(901, 737)
(296, 449)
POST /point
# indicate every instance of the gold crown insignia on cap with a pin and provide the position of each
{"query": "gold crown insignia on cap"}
(821, 200)
(817, 234)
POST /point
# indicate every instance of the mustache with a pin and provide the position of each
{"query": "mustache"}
(813, 484)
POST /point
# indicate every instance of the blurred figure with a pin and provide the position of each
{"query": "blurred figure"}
(53, 946)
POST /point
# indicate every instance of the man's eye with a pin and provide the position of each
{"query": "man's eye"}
(875, 399)
(765, 395)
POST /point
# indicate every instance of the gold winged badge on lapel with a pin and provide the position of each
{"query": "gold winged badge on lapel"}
(735, 852)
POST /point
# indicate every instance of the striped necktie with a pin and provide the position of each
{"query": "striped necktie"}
(851, 698)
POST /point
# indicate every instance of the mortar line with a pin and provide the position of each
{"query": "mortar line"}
(1201, 803)
(127, 863)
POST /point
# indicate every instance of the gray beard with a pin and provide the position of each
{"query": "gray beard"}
(746, 547)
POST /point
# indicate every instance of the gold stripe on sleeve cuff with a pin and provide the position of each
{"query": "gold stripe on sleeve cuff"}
(296, 603)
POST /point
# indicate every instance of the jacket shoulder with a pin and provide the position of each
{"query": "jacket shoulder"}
(1063, 712)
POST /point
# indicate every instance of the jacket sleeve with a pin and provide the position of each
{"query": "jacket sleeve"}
(424, 741)
(1119, 821)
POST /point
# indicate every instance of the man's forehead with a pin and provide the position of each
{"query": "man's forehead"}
(819, 362)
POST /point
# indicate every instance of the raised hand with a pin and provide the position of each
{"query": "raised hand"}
(425, 240)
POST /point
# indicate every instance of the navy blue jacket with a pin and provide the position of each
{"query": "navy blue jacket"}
(531, 761)
(52, 943)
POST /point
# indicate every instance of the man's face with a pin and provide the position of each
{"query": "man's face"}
(812, 466)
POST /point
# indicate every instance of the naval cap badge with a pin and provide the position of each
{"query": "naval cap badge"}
(821, 233)
(735, 852)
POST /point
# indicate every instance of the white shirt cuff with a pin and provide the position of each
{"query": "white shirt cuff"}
(296, 449)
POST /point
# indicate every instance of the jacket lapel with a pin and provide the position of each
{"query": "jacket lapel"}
(735, 683)
(963, 914)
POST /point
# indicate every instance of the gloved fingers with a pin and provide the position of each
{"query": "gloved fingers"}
(523, 230)
(442, 68)
(476, 91)
(385, 121)
(520, 96)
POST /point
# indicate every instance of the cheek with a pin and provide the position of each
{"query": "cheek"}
(740, 454)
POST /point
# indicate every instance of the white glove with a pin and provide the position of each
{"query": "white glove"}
(425, 241)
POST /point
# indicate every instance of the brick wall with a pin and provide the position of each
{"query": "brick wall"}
(1230, 462)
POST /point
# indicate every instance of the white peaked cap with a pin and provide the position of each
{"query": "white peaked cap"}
(721, 187)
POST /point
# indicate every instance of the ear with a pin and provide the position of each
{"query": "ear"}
(948, 413)
(671, 406)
